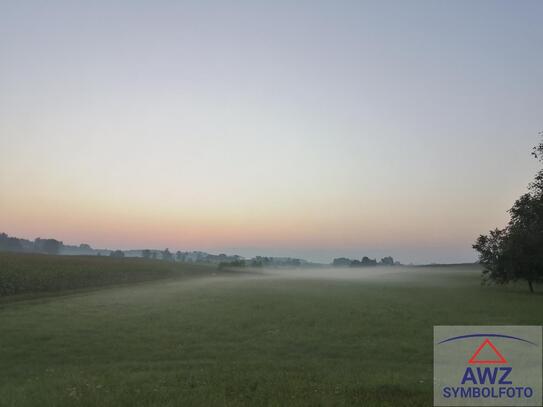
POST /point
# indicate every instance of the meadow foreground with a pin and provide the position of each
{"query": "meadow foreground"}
(292, 337)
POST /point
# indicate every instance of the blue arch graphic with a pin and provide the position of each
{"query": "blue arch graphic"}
(478, 335)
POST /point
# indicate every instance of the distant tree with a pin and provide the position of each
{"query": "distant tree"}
(117, 254)
(387, 261)
(85, 249)
(146, 254)
(179, 256)
(341, 262)
(153, 255)
(366, 261)
(167, 255)
(11, 244)
(261, 261)
(47, 246)
(516, 252)
(256, 262)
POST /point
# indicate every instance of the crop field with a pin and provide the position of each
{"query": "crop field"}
(323, 337)
(38, 273)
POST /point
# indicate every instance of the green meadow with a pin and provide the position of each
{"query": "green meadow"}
(197, 336)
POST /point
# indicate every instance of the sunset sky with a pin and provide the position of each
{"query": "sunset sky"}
(315, 129)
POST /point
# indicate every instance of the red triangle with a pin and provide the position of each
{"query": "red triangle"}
(501, 360)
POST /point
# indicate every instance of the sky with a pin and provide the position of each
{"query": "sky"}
(309, 129)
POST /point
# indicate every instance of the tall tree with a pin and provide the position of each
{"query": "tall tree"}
(516, 252)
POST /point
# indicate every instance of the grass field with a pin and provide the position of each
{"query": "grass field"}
(301, 337)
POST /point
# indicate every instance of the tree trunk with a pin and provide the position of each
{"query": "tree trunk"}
(531, 286)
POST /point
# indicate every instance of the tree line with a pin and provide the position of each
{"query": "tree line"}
(364, 262)
(39, 245)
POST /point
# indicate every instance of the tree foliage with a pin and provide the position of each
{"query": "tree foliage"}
(387, 261)
(365, 262)
(167, 255)
(516, 252)
(117, 254)
(47, 246)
